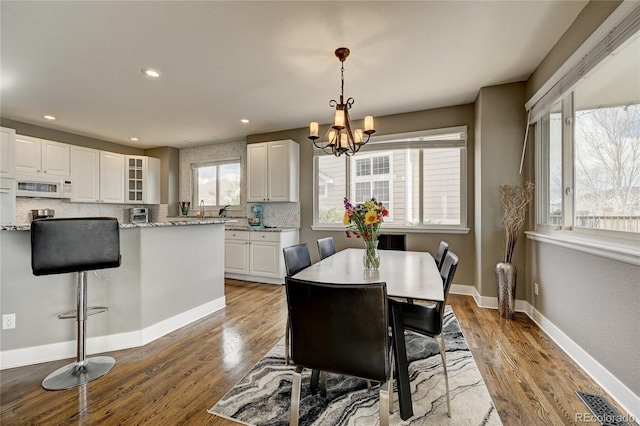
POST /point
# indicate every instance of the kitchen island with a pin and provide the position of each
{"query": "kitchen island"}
(172, 273)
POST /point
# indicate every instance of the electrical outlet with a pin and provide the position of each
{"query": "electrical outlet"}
(536, 289)
(8, 321)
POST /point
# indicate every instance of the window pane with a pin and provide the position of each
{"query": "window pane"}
(363, 192)
(380, 165)
(607, 145)
(554, 176)
(331, 176)
(441, 186)
(363, 167)
(381, 191)
(206, 185)
(229, 185)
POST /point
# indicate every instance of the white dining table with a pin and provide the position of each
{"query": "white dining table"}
(408, 275)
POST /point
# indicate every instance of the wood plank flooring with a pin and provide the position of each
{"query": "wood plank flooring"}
(175, 379)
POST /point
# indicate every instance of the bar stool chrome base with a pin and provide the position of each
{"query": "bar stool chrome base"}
(78, 373)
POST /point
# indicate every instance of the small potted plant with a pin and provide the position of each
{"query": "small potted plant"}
(514, 201)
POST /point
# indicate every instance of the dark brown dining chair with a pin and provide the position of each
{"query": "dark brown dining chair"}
(326, 247)
(349, 324)
(296, 258)
(443, 248)
(426, 320)
(392, 242)
(77, 245)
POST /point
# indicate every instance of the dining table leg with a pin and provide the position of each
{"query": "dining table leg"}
(402, 364)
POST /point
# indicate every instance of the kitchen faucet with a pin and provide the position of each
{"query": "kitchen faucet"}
(202, 209)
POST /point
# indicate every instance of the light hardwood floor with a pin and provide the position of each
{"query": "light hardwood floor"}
(175, 379)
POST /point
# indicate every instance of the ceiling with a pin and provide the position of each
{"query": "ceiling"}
(270, 62)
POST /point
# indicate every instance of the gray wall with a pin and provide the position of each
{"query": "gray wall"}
(463, 244)
(593, 300)
(500, 128)
(169, 173)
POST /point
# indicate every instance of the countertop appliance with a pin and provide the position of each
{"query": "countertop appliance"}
(138, 215)
(42, 213)
(257, 222)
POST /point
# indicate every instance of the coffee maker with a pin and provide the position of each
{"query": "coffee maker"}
(257, 222)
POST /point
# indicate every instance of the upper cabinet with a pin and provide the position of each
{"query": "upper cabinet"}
(7, 152)
(142, 180)
(40, 156)
(273, 171)
(85, 174)
(111, 177)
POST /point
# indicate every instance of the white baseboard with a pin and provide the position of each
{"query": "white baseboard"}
(629, 401)
(254, 278)
(94, 345)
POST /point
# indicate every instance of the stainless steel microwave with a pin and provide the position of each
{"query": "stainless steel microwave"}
(45, 188)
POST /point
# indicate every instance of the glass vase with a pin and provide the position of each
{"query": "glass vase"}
(371, 257)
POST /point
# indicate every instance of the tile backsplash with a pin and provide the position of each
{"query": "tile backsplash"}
(63, 208)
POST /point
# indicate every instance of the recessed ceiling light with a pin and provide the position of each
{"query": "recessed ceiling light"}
(151, 72)
(49, 117)
(244, 121)
(134, 139)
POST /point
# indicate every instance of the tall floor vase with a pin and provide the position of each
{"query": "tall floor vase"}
(506, 275)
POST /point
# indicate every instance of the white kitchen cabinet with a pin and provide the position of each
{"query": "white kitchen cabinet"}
(42, 157)
(111, 177)
(236, 252)
(273, 171)
(7, 152)
(85, 174)
(257, 255)
(142, 180)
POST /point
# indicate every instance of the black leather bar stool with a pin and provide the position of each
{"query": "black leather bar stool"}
(77, 245)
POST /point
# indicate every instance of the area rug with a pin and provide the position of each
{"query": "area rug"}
(263, 396)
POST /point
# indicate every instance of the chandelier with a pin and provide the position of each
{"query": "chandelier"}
(341, 137)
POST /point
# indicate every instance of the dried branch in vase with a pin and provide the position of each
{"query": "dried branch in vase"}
(514, 201)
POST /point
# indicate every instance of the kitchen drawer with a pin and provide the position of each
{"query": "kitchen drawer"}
(237, 235)
(265, 236)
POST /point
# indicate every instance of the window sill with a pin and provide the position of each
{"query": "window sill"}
(628, 252)
(400, 230)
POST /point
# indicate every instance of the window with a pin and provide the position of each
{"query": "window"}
(590, 150)
(420, 177)
(217, 183)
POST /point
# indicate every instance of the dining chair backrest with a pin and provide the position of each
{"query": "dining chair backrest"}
(340, 328)
(392, 242)
(296, 258)
(443, 248)
(449, 266)
(326, 247)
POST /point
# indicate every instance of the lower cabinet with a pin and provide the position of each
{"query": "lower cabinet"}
(257, 255)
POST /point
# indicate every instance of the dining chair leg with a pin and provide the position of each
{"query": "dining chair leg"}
(323, 384)
(295, 396)
(443, 354)
(286, 342)
(391, 361)
(384, 402)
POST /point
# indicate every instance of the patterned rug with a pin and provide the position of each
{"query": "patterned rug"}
(263, 396)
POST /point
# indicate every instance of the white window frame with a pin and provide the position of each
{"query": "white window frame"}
(383, 145)
(194, 196)
(618, 245)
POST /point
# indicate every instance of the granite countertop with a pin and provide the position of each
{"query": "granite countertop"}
(235, 227)
(168, 222)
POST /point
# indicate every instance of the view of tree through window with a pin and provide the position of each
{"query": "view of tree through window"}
(597, 127)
